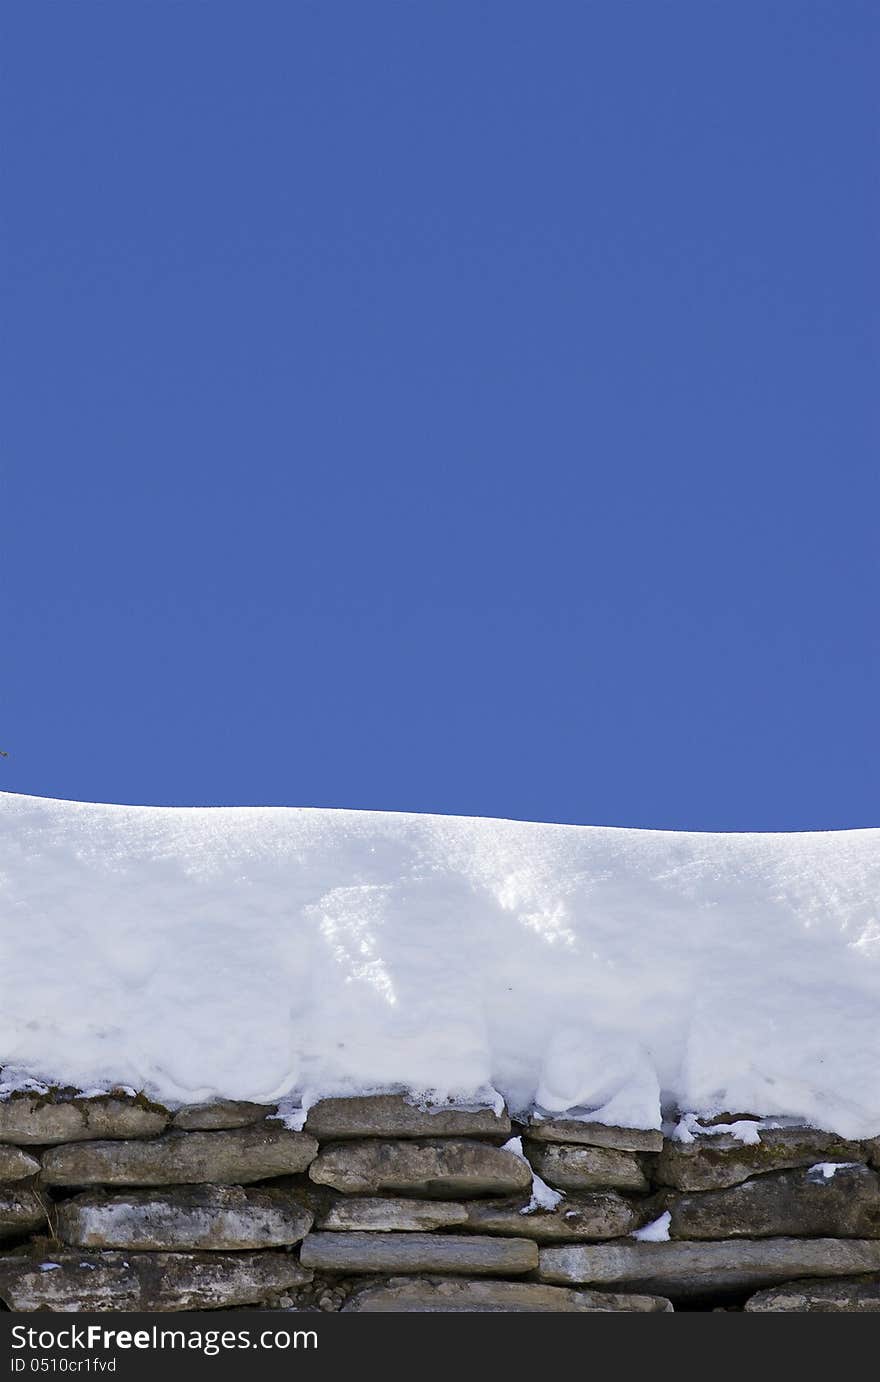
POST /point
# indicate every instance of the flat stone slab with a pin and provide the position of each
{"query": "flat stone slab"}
(39, 1120)
(437, 1295)
(391, 1116)
(717, 1161)
(438, 1170)
(221, 1218)
(594, 1134)
(20, 1211)
(373, 1215)
(821, 1203)
(577, 1218)
(707, 1269)
(16, 1164)
(78, 1281)
(221, 1114)
(854, 1295)
(418, 1252)
(570, 1167)
(234, 1157)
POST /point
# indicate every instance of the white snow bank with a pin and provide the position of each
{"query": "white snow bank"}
(256, 953)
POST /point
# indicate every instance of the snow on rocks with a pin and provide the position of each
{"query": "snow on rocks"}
(712, 1163)
(431, 1051)
(394, 1116)
(330, 953)
(655, 1232)
(589, 1134)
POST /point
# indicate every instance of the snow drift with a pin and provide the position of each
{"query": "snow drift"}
(262, 953)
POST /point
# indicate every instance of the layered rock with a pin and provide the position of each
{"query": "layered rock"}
(219, 1218)
(368, 1214)
(16, 1164)
(438, 1295)
(858, 1295)
(77, 1281)
(392, 1116)
(825, 1202)
(568, 1166)
(594, 1134)
(235, 1157)
(39, 1120)
(436, 1169)
(221, 1114)
(418, 1252)
(705, 1269)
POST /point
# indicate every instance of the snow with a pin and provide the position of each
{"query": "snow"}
(266, 953)
(656, 1232)
(543, 1196)
(827, 1170)
(745, 1130)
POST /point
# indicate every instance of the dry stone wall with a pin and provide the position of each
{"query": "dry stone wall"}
(113, 1203)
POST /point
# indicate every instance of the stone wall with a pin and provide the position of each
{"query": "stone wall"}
(113, 1203)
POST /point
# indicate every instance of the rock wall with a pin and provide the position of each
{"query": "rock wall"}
(114, 1203)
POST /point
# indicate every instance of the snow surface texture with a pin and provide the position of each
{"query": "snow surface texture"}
(261, 953)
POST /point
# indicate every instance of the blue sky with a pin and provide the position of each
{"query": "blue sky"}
(444, 407)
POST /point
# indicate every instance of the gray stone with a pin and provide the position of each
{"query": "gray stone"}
(707, 1269)
(222, 1218)
(418, 1252)
(872, 1151)
(594, 1134)
(16, 1164)
(855, 1295)
(571, 1167)
(438, 1170)
(391, 1116)
(38, 1119)
(78, 1281)
(21, 1210)
(596, 1215)
(392, 1215)
(784, 1204)
(439, 1295)
(221, 1114)
(719, 1160)
(235, 1157)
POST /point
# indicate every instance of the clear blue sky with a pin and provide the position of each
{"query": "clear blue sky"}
(444, 407)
